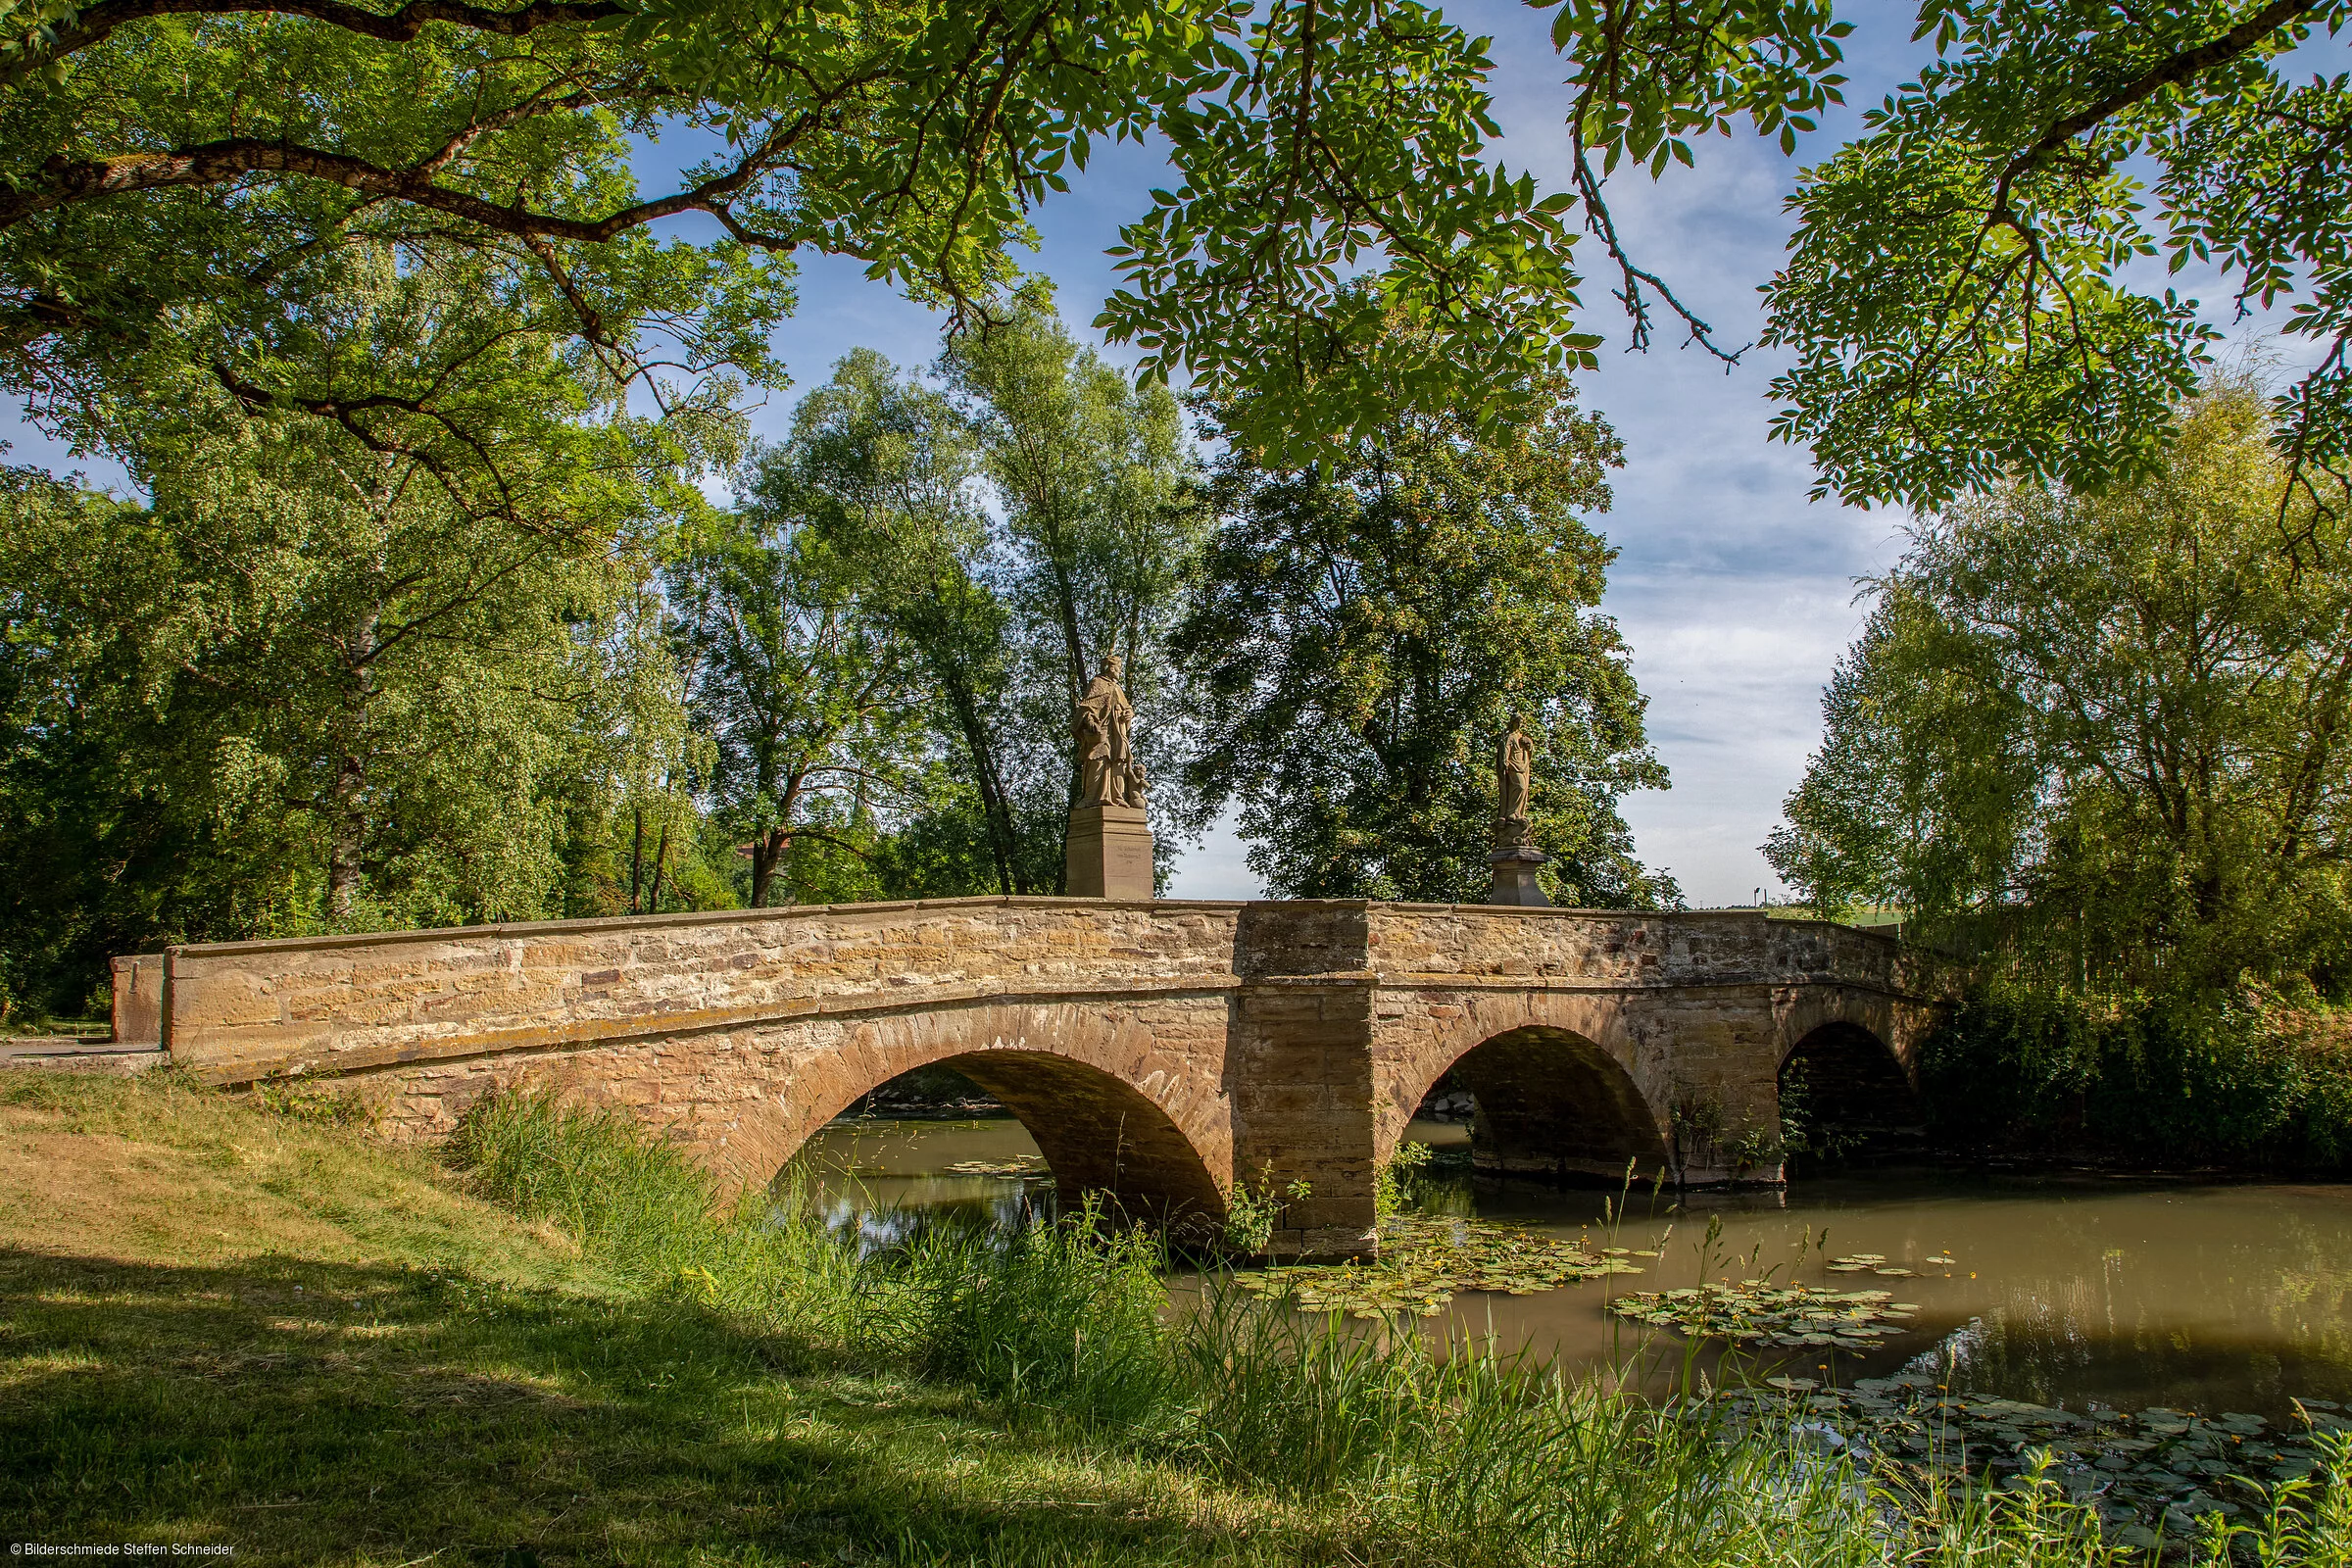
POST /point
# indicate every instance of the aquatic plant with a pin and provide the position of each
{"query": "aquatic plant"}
(1424, 1260)
(1759, 1312)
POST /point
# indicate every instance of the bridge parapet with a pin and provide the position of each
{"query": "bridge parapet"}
(239, 1011)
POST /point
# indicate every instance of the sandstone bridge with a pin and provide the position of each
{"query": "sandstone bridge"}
(1157, 1051)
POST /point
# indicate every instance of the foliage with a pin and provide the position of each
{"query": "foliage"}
(1363, 632)
(350, 681)
(997, 615)
(1063, 1317)
(1969, 264)
(2250, 1079)
(1253, 1211)
(883, 469)
(1103, 524)
(1981, 260)
(808, 703)
(2103, 735)
(1394, 1182)
(1310, 140)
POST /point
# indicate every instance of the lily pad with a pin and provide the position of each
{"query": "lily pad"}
(2160, 1467)
(1425, 1259)
(1758, 1312)
(1025, 1165)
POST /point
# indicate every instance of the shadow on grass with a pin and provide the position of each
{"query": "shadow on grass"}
(307, 1413)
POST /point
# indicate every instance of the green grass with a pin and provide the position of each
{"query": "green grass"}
(241, 1326)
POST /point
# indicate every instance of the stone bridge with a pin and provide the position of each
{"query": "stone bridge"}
(1160, 1051)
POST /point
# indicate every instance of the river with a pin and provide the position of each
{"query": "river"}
(2079, 1290)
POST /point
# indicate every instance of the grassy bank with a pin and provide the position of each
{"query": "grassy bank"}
(230, 1325)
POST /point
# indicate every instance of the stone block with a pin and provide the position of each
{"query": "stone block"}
(1109, 851)
(137, 1006)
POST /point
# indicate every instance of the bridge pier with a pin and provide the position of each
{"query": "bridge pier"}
(1163, 1052)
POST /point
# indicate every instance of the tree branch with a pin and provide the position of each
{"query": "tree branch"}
(95, 23)
(218, 163)
(2177, 69)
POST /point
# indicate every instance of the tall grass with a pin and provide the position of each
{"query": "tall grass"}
(654, 1219)
(1411, 1453)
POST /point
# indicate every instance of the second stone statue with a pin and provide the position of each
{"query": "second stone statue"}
(1515, 859)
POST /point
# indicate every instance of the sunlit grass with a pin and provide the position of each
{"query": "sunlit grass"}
(566, 1349)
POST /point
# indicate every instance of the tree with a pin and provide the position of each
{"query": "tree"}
(1970, 292)
(1103, 521)
(886, 471)
(807, 702)
(1364, 632)
(347, 679)
(2109, 733)
(170, 157)
(107, 836)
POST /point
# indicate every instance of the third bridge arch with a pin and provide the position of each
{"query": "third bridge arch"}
(1160, 1051)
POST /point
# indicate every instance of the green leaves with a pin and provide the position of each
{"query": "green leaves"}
(1339, 187)
(1966, 297)
(2095, 729)
(1365, 630)
(1319, 145)
(1649, 75)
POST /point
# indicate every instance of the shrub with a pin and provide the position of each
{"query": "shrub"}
(2249, 1078)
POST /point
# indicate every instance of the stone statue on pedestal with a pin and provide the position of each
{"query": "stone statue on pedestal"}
(1514, 775)
(1104, 725)
(1110, 844)
(1515, 859)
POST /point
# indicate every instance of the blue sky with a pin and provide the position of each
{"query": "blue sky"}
(1735, 593)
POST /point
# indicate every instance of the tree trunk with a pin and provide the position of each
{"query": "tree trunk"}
(994, 810)
(347, 811)
(653, 899)
(347, 840)
(767, 851)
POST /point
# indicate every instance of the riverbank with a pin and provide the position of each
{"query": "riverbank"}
(230, 1325)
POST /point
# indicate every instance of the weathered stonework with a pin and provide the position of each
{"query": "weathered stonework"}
(1160, 1051)
(1109, 853)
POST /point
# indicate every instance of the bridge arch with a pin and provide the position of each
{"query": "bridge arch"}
(1848, 1089)
(1090, 1083)
(1555, 1086)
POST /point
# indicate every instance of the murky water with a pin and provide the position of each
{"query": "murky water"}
(2068, 1289)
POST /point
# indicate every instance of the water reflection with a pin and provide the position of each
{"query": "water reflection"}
(889, 1180)
(2063, 1289)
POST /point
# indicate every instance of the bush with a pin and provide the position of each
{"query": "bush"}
(2248, 1079)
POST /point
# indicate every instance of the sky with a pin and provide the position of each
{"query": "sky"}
(1735, 593)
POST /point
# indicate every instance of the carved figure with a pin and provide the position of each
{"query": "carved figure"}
(1101, 725)
(1514, 769)
(1133, 794)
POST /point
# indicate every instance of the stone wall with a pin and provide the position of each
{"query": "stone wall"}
(1162, 1052)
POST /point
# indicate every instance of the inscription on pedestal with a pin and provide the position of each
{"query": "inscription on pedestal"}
(1109, 853)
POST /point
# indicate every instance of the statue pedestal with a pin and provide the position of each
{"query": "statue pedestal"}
(1515, 859)
(1109, 853)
